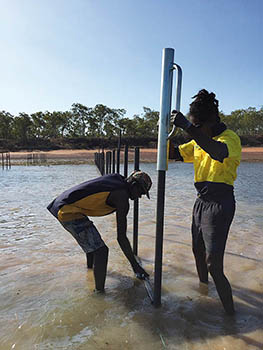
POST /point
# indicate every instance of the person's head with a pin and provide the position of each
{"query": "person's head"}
(139, 184)
(203, 110)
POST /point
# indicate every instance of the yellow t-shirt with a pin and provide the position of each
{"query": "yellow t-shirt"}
(92, 205)
(208, 169)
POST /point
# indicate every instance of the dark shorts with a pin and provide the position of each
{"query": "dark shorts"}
(211, 222)
(85, 233)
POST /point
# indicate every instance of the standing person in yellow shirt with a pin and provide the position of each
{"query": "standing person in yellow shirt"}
(215, 152)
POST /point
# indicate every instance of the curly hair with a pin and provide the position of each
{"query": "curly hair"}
(205, 106)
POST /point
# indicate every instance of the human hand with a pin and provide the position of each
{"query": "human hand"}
(179, 120)
(140, 272)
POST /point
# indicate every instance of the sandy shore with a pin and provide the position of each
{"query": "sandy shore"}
(87, 156)
(80, 156)
(252, 153)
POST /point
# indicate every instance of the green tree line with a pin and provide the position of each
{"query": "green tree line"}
(105, 122)
(79, 121)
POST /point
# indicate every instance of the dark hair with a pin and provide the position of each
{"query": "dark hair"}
(205, 106)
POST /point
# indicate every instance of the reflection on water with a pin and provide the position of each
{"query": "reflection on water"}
(46, 297)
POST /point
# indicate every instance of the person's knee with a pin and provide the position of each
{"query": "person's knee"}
(214, 264)
(198, 253)
(102, 252)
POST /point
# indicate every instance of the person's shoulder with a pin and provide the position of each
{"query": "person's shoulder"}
(230, 134)
(115, 178)
(233, 142)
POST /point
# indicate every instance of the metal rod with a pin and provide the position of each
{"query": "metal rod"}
(179, 76)
(109, 155)
(159, 238)
(113, 161)
(107, 163)
(178, 93)
(118, 160)
(126, 150)
(119, 140)
(118, 153)
(136, 205)
(102, 163)
(164, 121)
(147, 283)
(97, 160)
(149, 289)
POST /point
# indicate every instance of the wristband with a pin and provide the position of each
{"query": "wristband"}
(186, 125)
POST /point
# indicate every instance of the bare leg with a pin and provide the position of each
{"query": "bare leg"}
(200, 260)
(215, 267)
(90, 258)
(100, 267)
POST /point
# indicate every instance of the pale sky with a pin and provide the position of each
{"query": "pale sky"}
(54, 53)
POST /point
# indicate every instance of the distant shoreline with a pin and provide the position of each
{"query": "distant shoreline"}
(82, 156)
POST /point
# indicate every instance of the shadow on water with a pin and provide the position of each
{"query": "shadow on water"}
(124, 318)
(196, 319)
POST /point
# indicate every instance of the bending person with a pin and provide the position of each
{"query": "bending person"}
(215, 152)
(99, 197)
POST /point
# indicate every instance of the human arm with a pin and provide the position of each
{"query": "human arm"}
(120, 200)
(174, 152)
(216, 149)
(184, 152)
(177, 155)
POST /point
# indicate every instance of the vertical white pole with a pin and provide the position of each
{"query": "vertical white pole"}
(165, 107)
(164, 120)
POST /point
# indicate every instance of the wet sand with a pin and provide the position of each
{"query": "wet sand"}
(82, 156)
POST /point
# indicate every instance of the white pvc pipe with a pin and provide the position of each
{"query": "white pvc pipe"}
(165, 107)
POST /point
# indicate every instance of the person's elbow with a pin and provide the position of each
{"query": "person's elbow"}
(220, 154)
(219, 159)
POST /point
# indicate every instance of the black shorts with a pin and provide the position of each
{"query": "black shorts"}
(211, 221)
(85, 234)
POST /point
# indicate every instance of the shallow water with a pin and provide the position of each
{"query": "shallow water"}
(46, 297)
